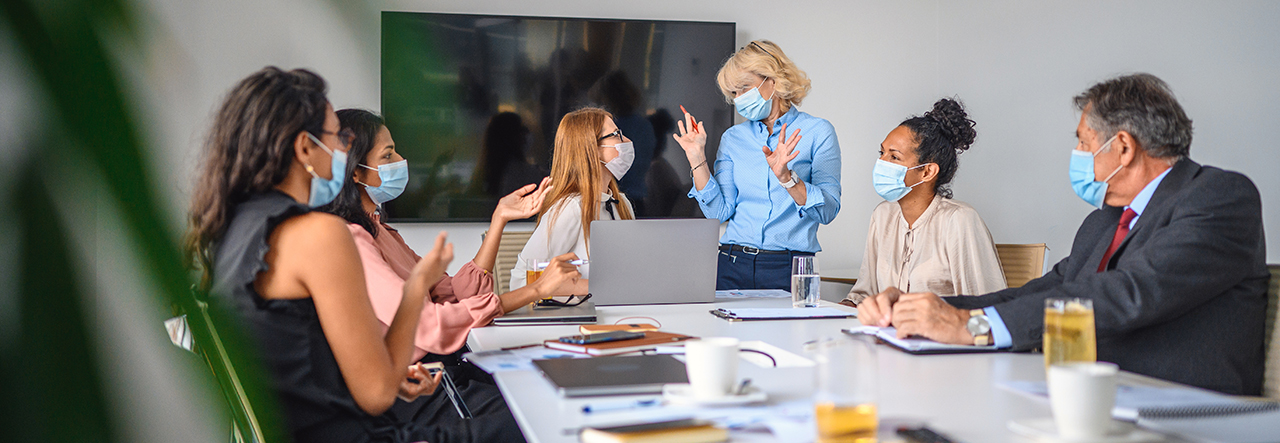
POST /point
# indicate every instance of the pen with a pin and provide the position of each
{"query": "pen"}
(620, 406)
(578, 262)
(695, 124)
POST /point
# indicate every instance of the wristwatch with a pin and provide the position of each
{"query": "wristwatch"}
(792, 182)
(979, 327)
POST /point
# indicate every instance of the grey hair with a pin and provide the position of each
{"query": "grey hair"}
(1144, 106)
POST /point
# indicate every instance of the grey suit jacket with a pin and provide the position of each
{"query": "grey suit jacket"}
(1184, 296)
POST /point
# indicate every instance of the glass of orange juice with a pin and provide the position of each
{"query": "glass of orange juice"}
(845, 403)
(534, 269)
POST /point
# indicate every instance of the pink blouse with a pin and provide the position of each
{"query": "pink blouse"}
(457, 303)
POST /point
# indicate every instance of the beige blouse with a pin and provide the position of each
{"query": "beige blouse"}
(948, 252)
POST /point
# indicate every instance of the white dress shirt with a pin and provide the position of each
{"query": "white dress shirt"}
(560, 231)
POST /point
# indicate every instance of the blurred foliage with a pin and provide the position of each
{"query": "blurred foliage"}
(53, 382)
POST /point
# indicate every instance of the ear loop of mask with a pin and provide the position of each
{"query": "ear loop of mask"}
(904, 174)
(1117, 171)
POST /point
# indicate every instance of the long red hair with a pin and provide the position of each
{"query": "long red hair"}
(576, 167)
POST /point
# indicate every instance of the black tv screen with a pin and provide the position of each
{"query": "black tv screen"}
(473, 101)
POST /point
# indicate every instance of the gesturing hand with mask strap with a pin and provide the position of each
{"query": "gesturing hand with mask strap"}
(1084, 180)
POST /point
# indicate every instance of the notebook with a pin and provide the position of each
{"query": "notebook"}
(1246, 427)
(916, 346)
(529, 315)
(640, 374)
(650, 340)
(672, 431)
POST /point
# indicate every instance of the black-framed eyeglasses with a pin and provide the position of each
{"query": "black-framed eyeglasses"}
(569, 303)
(345, 136)
(615, 133)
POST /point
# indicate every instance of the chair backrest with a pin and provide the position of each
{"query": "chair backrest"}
(508, 249)
(1271, 382)
(1021, 263)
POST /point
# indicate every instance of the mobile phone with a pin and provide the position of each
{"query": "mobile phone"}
(601, 337)
(433, 367)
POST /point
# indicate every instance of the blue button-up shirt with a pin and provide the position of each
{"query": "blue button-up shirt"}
(1000, 333)
(745, 193)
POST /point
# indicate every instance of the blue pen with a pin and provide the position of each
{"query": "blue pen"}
(621, 406)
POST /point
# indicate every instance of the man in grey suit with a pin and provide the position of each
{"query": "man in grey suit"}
(1174, 261)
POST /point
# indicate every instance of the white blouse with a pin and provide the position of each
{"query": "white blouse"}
(559, 231)
(948, 252)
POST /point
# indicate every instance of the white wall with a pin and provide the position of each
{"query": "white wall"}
(1015, 64)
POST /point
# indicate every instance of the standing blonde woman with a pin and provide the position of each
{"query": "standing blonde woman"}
(773, 188)
(590, 155)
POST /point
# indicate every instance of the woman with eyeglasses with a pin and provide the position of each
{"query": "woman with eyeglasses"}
(589, 157)
(292, 276)
(776, 175)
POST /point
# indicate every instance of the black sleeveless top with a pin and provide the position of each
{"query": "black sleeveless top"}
(311, 393)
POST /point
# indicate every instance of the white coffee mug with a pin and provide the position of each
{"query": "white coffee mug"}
(1082, 395)
(712, 365)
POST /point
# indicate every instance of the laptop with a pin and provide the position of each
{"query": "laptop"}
(583, 314)
(619, 375)
(639, 262)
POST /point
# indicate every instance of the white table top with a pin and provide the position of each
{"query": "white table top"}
(954, 394)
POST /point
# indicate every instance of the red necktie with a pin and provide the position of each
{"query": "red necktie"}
(1121, 230)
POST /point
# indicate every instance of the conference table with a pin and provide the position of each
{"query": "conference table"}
(957, 395)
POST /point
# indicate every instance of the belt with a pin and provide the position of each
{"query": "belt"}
(751, 250)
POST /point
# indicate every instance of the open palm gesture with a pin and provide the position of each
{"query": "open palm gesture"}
(692, 137)
(523, 203)
(778, 158)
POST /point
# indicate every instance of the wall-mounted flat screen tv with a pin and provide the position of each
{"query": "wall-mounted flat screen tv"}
(473, 101)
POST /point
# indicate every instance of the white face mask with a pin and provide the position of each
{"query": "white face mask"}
(620, 165)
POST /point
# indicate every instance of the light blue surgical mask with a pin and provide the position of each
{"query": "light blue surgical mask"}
(1083, 180)
(394, 176)
(752, 106)
(324, 190)
(889, 180)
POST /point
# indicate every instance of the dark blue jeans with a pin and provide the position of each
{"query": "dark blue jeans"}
(740, 270)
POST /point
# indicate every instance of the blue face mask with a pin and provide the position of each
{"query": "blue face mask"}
(324, 190)
(752, 106)
(1083, 180)
(394, 176)
(889, 180)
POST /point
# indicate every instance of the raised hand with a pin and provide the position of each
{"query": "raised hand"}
(778, 158)
(523, 203)
(692, 137)
(430, 269)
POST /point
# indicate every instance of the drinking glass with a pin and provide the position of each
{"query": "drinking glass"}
(845, 402)
(1069, 333)
(805, 281)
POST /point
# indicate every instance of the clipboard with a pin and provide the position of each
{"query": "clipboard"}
(764, 314)
(917, 346)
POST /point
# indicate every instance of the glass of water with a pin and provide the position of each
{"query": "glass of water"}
(804, 281)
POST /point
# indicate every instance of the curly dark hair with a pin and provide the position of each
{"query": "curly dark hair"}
(365, 125)
(250, 150)
(941, 135)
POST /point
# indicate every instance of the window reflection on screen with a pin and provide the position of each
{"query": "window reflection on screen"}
(473, 102)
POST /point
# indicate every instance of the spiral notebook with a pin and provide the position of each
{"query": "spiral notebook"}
(1161, 403)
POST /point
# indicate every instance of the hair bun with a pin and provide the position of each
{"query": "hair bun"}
(954, 122)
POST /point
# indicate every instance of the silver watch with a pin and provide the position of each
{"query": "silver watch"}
(792, 182)
(978, 327)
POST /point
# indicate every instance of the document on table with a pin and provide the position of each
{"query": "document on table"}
(740, 314)
(916, 345)
(753, 293)
(521, 359)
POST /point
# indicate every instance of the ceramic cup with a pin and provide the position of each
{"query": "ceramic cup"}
(712, 364)
(1082, 395)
